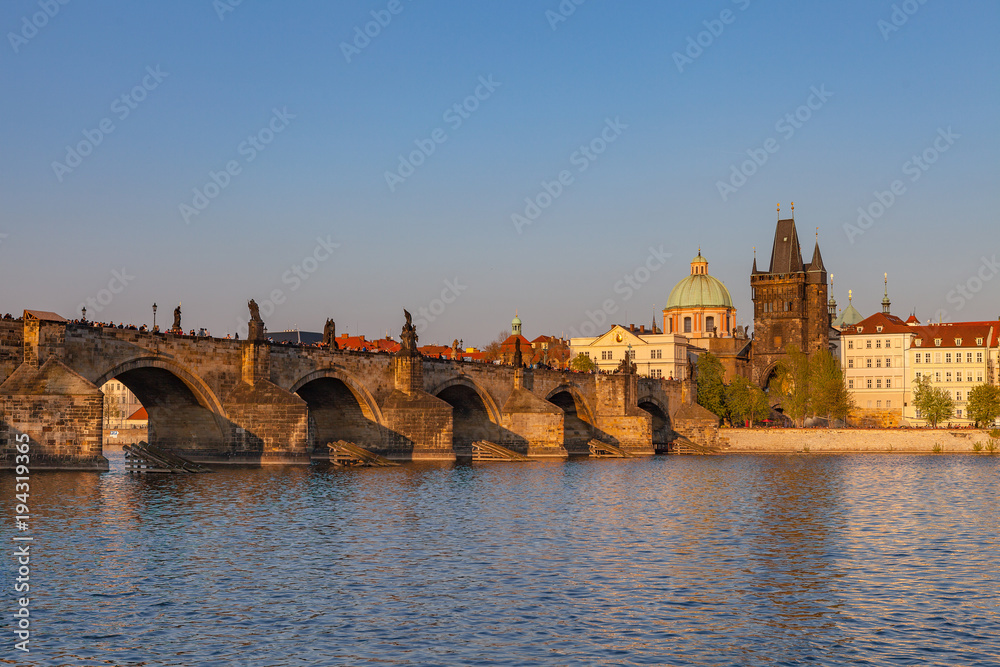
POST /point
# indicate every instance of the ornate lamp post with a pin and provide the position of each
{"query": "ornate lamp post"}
(155, 328)
(84, 313)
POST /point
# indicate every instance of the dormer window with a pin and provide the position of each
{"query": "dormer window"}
(919, 342)
(979, 341)
(860, 329)
(878, 329)
(937, 342)
(958, 342)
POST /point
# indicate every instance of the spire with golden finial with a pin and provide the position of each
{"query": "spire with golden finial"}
(793, 210)
(779, 210)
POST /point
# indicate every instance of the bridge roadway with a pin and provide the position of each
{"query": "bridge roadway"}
(230, 401)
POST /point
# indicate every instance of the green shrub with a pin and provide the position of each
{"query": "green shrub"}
(937, 448)
(977, 446)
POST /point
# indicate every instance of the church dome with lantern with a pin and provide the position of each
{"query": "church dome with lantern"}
(699, 305)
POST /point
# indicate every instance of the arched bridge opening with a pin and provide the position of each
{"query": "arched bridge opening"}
(578, 423)
(183, 416)
(338, 411)
(471, 419)
(661, 424)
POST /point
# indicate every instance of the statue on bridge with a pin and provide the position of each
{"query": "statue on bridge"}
(330, 334)
(627, 366)
(177, 319)
(255, 328)
(518, 361)
(408, 338)
(456, 352)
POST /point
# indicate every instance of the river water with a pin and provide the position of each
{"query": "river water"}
(732, 560)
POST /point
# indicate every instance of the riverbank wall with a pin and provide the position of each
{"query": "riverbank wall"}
(817, 440)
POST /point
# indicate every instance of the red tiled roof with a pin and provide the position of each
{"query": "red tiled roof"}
(949, 334)
(869, 325)
(139, 415)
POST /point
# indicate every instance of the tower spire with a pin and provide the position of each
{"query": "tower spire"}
(885, 299)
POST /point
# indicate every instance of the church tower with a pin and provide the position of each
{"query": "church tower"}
(790, 303)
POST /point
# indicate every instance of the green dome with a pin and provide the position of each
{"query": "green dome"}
(516, 320)
(698, 290)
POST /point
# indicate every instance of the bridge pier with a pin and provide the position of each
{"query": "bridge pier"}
(59, 410)
(534, 426)
(419, 425)
(619, 418)
(270, 425)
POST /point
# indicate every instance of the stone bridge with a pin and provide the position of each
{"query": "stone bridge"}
(232, 401)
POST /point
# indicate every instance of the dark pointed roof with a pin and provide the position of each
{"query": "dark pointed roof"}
(817, 261)
(786, 255)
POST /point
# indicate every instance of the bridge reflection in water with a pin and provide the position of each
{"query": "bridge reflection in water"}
(229, 401)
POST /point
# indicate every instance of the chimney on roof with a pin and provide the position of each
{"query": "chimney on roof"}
(642, 328)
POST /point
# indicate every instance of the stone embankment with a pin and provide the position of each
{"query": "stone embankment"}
(821, 440)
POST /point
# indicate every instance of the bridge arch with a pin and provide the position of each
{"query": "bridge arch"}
(578, 418)
(475, 415)
(184, 413)
(661, 419)
(462, 380)
(340, 408)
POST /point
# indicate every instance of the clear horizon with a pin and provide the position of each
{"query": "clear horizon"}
(469, 160)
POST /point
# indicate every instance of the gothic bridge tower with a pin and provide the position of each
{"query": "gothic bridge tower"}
(790, 303)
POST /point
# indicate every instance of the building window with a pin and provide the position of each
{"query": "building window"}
(979, 341)
(850, 363)
(947, 376)
(888, 383)
(687, 325)
(927, 357)
(937, 357)
(968, 357)
(888, 362)
(709, 323)
(917, 358)
(958, 413)
(656, 373)
(958, 395)
(850, 345)
(868, 362)
(918, 413)
(869, 383)
(850, 384)
(958, 376)
(878, 363)
(888, 404)
(937, 376)
(979, 357)
(979, 377)
(657, 354)
(868, 344)
(878, 404)
(878, 344)
(947, 357)
(878, 383)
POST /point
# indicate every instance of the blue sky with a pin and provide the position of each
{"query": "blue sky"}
(312, 221)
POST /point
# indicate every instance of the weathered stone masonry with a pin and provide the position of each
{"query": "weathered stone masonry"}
(229, 401)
